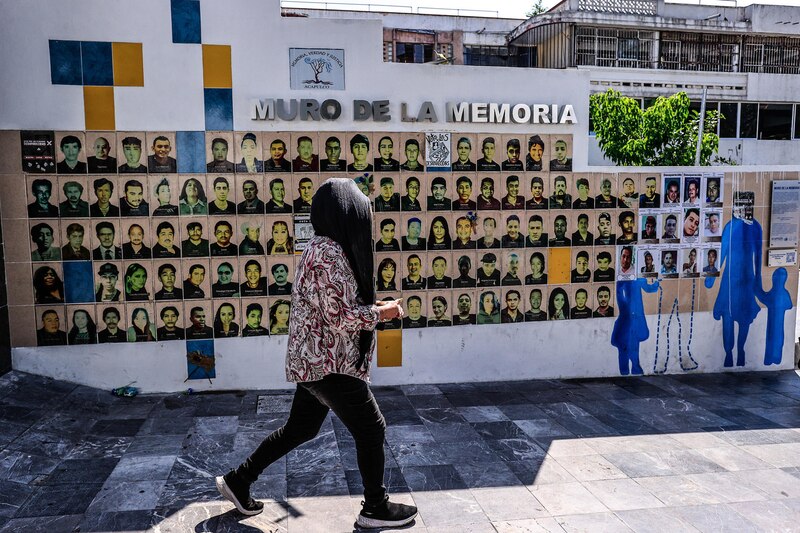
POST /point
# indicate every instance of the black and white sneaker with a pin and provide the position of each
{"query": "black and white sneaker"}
(387, 514)
(238, 493)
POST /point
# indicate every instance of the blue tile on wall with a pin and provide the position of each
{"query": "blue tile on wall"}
(185, 21)
(65, 63)
(191, 151)
(219, 109)
(98, 68)
(78, 282)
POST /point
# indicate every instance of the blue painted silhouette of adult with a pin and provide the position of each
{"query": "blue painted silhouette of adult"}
(740, 265)
(630, 328)
(778, 301)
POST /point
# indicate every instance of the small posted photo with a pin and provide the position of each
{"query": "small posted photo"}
(225, 277)
(168, 280)
(137, 281)
(77, 235)
(133, 199)
(538, 192)
(171, 322)
(161, 153)
(359, 154)
(465, 192)
(73, 193)
(45, 240)
(413, 156)
(167, 238)
(464, 152)
(607, 199)
(464, 307)
(712, 225)
(386, 232)
(222, 196)
(132, 148)
(52, 325)
(198, 315)
(583, 198)
(102, 149)
(41, 203)
(604, 263)
(251, 234)
(690, 262)
(440, 193)
(439, 303)
(538, 153)
(561, 153)
(626, 227)
(136, 238)
(104, 199)
(647, 261)
(226, 319)
(414, 271)
(487, 199)
(584, 302)
(489, 306)
(650, 198)
(439, 236)
(440, 268)
(71, 152)
(219, 152)
(464, 262)
(412, 232)
(606, 227)
(196, 278)
(626, 269)
(332, 159)
(648, 222)
(305, 152)
(513, 264)
(628, 191)
(141, 322)
(669, 224)
(410, 190)
(536, 267)
(254, 318)
(281, 275)
(248, 152)
(512, 310)
(38, 152)
(711, 256)
(603, 300)
(558, 304)
(669, 263)
(489, 225)
(537, 235)
(279, 311)
(305, 185)
(489, 270)
(691, 190)
(193, 198)
(254, 277)
(512, 230)
(415, 304)
(278, 186)
(385, 153)
(387, 272)
(194, 236)
(582, 236)
(490, 153)
(513, 154)
(560, 187)
(513, 193)
(691, 225)
(108, 281)
(224, 240)
(111, 323)
(165, 191)
(394, 323)
(81, 326)
(387, 193)
(276, 152)
(559, 236)
(713, 189)
(536, 304)
(672, 189)
(249, 188)
(582, 265)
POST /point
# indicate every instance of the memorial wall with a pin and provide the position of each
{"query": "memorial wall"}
(147, 248)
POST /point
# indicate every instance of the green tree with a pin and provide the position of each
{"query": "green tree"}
(664, 134)
(536, 9)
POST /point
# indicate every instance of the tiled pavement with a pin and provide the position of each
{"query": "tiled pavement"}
(714, 453)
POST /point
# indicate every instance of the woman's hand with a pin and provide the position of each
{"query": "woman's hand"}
(390, 310)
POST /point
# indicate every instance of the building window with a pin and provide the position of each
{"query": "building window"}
(775, 121)
(698, 51)
(413, 53)
(748, 125)
(388, 52)
(606, 47)
(797, 121)
(486, 56)
(778, 55)
(727, 122)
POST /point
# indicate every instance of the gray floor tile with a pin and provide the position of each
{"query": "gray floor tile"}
(720, 518)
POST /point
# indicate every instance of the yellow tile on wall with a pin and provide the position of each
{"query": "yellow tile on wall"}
(128, 64)
(217, 66)
(559, 267)
(390, 347)
(98, 107)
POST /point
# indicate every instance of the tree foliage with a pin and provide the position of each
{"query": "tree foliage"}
(664, 134)
(536, 9)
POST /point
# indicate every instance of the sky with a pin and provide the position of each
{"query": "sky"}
(504, 8)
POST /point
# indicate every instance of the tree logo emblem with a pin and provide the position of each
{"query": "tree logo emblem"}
(318, 66)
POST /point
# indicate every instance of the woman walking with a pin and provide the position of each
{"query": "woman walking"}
(331, 340)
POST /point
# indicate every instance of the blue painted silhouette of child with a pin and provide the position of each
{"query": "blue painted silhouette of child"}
(630, 328)
(778, 301)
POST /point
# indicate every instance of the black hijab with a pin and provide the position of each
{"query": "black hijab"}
(341, 212)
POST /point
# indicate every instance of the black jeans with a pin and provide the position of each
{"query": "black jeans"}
(352, 401)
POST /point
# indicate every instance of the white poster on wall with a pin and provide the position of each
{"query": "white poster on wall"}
(316, 68)
(784, 216)
(437, 151)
